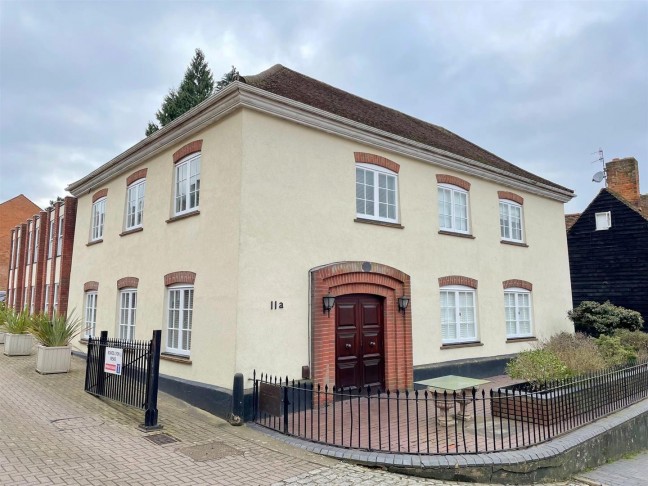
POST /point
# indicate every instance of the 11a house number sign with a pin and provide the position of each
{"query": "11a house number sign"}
(274, 305)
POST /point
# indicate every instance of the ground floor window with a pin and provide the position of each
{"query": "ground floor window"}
(127, 310)
(90, 314)
(458, 316)
(517, 303)
(180, 317)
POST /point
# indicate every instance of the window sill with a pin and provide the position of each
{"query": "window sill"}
(131, 231)
(95, 242)
(379, 223)
(521, 339)
(514, 243)
(183, 216)
(454, 233)
(471, 344)
(175, 358)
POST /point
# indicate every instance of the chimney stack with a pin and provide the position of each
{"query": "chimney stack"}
(623, 178)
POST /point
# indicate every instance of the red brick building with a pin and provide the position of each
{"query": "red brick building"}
(12, 212)
(40, 259)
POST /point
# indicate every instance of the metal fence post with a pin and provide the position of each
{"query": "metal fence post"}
(285, 406)
(103, 340)
(152, 382)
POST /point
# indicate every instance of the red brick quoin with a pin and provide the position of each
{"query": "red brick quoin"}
(457, 280)
(455, 181)
(521, 284)
(179, 278)
(190, 148)
(127, 282)
(362, 278)
(364, 158)
(511, 196)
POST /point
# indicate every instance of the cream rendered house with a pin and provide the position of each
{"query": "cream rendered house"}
(228, 228)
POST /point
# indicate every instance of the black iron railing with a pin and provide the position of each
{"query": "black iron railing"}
(431, 422)
(131, 378)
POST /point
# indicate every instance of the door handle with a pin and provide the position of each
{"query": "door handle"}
(348, 346)
(372, 343)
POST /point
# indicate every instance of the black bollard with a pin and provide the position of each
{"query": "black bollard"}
(236, 415)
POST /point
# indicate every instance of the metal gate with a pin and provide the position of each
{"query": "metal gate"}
(125, 371)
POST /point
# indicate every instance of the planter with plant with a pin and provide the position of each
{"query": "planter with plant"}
(18, 341)
(54, 335)
(3, 311)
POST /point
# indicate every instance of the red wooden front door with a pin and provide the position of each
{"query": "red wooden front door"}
(359, 355)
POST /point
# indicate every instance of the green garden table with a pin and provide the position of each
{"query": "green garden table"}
(452, 383)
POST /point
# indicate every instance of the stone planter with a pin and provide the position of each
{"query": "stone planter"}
(53, 359)
(18, 344)
(2, 334)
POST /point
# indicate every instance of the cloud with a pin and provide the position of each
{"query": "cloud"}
(543, 85)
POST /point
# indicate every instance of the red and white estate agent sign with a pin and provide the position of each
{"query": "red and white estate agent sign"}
(113, 361)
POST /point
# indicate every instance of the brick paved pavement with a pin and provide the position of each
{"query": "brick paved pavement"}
(52, 432)
(625, 472)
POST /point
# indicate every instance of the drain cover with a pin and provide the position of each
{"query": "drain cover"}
(210, 451)
(161, 439)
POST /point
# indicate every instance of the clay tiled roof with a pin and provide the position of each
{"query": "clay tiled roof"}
(298, 87)
(570, 220)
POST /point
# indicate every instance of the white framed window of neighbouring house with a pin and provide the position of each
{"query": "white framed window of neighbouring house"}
(59, 246)
(187, 185)
(29, 244)
(55, 299)
(46, 303)
(511, 221)
(135, 205)
(36, 242)
(179, 319)
(458, 314)
(127, 313)
(518, 311)
(50, 244)
(603, 220)
(453, 208)
(376, 193)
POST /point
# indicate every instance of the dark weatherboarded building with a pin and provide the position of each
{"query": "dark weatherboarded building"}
(608, 242)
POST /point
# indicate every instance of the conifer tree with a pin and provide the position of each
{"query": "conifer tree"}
(196, 86)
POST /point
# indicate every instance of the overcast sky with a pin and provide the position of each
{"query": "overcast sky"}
(542, 85)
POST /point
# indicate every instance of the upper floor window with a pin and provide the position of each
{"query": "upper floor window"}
(453, 208)
(46, 303)
(517, 304)
(458, 314)
(98, 218)
(135, 204)
(50, 244)
(29, 244)
(59, 246)
(127, 311)
(376, 193)
(36, 242)
(510, 221)
(187, 184)
(90, 314)
(603, 221)
(12, 263)
(180, 319)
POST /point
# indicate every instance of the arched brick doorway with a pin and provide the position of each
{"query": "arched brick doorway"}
(367, 278)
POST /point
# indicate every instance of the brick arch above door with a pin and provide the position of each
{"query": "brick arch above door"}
(358, 277)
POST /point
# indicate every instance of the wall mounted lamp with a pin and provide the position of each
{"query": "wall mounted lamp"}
(403, 302)
(328, 301)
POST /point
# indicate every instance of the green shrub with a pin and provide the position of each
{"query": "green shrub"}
(576, 351)
(58, 330)
(603, 319)
(537, 366)
(615, 353)
(636, 340)
(16, 322)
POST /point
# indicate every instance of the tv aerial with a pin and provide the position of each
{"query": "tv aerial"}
(600, 175)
